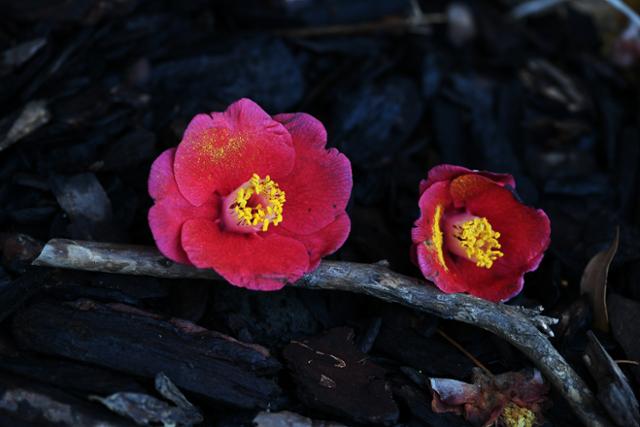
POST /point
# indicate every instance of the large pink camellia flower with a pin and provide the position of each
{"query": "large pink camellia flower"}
(257, 198)
(474, 235)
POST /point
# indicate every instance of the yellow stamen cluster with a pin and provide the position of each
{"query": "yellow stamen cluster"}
(260, 215)
(479, 241)
(517, 416)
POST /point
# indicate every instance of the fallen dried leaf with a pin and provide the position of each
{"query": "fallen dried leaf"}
(594, 283)
(34, 115)
(509, 399)
(146, 410)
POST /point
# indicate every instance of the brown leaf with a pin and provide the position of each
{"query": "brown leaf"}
(594, 283)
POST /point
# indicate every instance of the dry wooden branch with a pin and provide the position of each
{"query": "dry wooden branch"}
(519, 326)
(414, 24)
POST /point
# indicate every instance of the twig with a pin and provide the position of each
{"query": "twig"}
(464, 351)
(417, 22)
(390, 24)
(534, 7)
(520, 327)
(627, 362)
(623, 8)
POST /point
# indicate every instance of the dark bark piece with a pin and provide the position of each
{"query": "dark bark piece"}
(614, 391)
(272, 319)
(519, 326)
(189, 301)
(130, 150)
(18, 250)
(400, 339)
(575, 321)
(18, 55)
(419, 404)
(624, 314)
(315, 13)
(87, 204)
(332, 375)
(69, 375)
(14, 293)
(140, 291)
(27, 403)
(383, 115)
(368, 338)
(260, 67)
(70, 12)
(130, 340)
(289, 419)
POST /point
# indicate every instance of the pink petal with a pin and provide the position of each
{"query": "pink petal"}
(161, 181)
(171, 210)
(246, 260)
(221, 151)
(324, 241)
(319, 187)
(310, 129)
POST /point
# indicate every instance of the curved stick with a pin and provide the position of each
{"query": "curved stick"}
(519, 326)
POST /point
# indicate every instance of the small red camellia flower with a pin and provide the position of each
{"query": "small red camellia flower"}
(257, 198)
(508, 399)
(474, 236)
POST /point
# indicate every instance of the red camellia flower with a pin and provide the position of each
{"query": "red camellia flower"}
(474, 235)
(257, 198)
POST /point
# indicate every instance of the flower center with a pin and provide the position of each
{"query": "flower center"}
(517, 416)
(474, 239)
(254, 205)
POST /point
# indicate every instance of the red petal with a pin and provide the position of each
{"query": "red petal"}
(467, 186)
(247, 260)
(444, 276)
(498, 283)
(448, 172)
(220, 151)
(171, 210)
(524, 231)
(324, 241)
(319, 186)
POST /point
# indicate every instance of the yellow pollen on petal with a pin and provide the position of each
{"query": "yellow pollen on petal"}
(479, 241)
(437, 237)
(259, 215)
